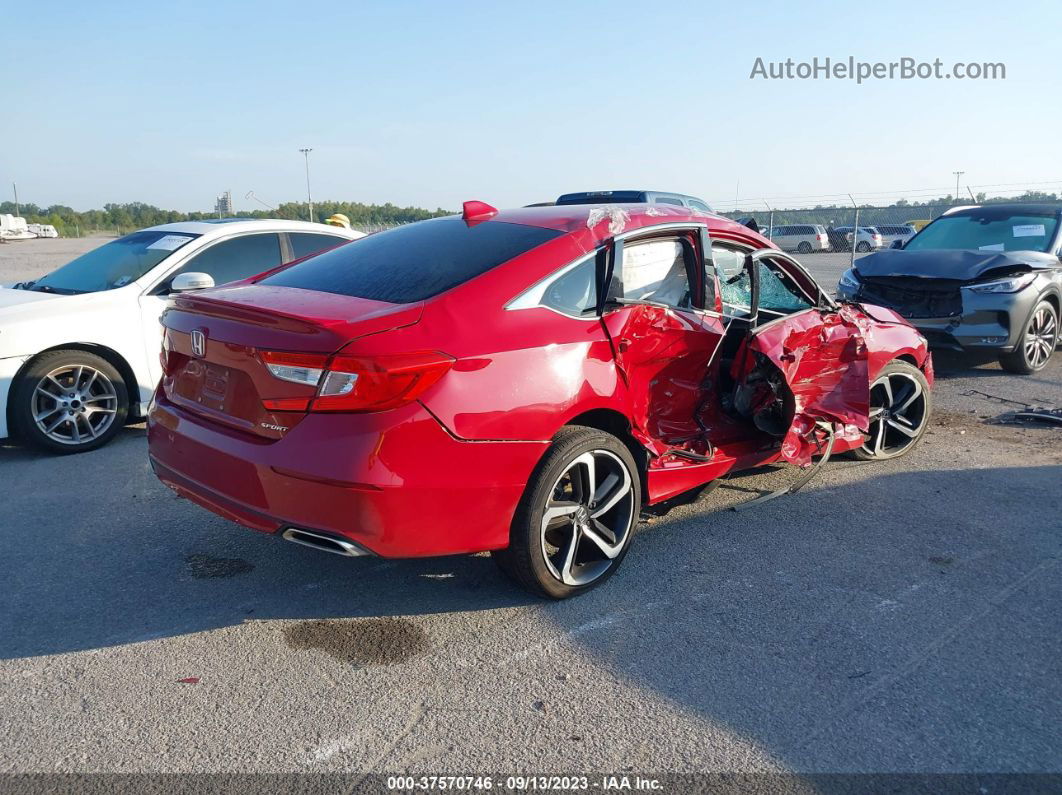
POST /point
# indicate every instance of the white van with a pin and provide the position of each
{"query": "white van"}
(804, 238)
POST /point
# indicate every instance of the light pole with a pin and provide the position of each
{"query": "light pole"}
(309, 201)
(957, 175)
(14, 187)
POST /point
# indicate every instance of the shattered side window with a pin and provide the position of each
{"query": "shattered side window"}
(778, 292)
(734, 285)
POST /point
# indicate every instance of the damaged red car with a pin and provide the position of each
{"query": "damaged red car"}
(522, 382)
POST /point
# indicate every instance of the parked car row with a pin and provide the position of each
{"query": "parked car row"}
(811, 238)
(520, 382)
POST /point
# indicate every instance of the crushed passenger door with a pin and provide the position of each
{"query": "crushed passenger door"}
(821, 353)
(662, 342)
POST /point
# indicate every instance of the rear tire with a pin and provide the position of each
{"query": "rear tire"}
(575, 522)
(864, 246)
(804, 248)
(1039, 337)
(68, 401)
(900, 408)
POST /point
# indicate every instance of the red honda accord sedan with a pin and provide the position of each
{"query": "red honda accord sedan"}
(519, 381)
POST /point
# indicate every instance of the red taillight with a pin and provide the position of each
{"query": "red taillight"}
(355, 383)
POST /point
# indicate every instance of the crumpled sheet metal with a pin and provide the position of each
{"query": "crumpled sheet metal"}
(825, 363)
(663, 358)
(618, 218)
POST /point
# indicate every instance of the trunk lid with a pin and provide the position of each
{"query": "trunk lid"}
(214, 340)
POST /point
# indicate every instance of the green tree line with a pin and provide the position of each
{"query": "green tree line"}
(137, 215)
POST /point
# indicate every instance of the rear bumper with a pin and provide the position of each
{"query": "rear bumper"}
(395, 483)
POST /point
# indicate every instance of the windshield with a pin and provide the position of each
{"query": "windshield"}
(987, 232)
(115, 264)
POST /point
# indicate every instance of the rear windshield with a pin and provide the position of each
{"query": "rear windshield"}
(413, 262)
(988, 230)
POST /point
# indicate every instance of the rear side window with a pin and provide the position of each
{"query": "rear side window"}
(238, 258)
(668, 200)
(303, 244)
(413, 262)
(576, 291)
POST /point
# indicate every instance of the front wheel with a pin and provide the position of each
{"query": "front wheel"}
(1037, 342)
(69, 401)
(900, 406)
(576, 519)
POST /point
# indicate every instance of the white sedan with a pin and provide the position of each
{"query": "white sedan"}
(79, 348)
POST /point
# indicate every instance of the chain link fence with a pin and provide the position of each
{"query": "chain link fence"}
(840, 233)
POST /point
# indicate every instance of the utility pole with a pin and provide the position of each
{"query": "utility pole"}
(309, 201)
(15, 188)
(957, 175)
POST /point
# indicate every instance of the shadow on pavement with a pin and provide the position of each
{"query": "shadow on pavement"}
(838, 628)
(901, 622)
(94, 552)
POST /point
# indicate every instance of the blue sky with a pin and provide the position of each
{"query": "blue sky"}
(433, 103)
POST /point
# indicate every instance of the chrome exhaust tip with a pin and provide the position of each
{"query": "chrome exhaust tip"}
(324, 543)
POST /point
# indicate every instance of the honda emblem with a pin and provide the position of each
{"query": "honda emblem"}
(198, 343)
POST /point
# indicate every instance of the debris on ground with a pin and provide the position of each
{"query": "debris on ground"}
(1039, 412)
(1050, 416)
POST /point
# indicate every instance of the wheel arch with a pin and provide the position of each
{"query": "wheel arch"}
(1051, 296)
(111, 356)
(617, 424)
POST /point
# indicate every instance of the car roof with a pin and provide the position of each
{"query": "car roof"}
(605, 195)
(217, 226)
(575, 217)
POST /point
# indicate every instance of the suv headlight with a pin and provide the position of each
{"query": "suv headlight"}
(1009, 285)
(849, 280)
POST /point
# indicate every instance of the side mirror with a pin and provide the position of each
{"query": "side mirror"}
(183, 282)
(898, 243)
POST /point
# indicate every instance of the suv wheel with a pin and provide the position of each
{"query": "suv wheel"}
(863, 246)
(1038, 342)
(900, 405)
(804, 247)
(69, 402)
(576, 519)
